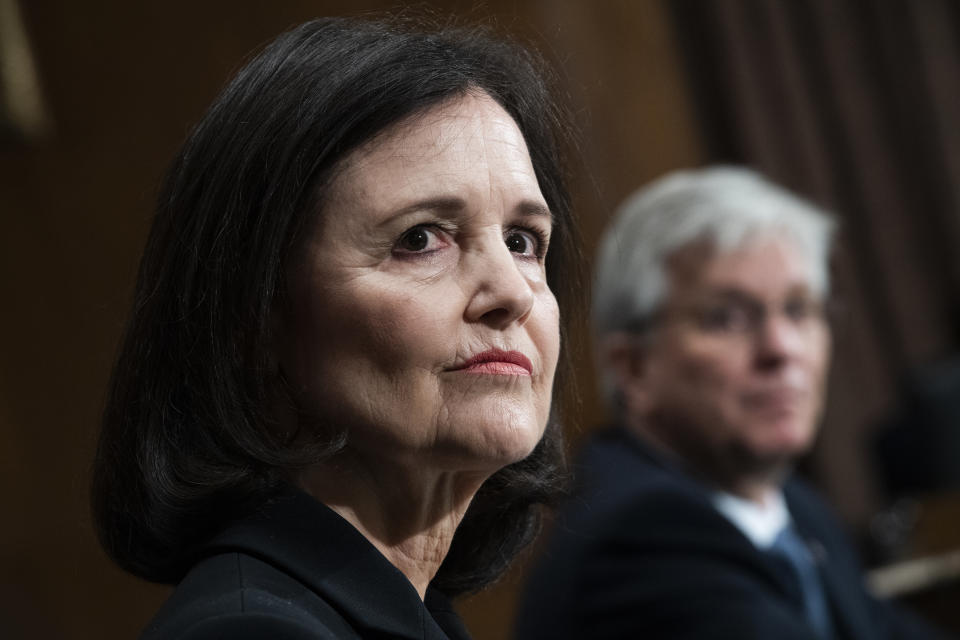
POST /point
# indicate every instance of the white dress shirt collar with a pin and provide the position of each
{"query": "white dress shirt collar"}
(760, 523)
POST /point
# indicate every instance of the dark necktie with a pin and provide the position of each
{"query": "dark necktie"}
(791, 547)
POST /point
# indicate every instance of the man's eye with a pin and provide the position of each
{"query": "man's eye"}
(417, 240)
(803, 309)
(725, 318)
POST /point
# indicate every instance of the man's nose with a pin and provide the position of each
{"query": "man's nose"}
(778, 339)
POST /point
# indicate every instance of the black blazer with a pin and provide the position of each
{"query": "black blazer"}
(641, 552)
(297, 570)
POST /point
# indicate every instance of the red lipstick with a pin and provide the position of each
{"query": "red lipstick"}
(498, 362)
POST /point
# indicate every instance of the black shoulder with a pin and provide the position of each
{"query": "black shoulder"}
(255, 626)
(648, 555)
(234, 595)
(668, 564)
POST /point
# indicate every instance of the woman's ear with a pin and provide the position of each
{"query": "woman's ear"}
(625, 357)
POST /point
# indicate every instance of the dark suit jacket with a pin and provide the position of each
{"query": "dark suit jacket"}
(641, 552)
(298, 570)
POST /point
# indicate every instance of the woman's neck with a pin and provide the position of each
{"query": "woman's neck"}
(408, 512)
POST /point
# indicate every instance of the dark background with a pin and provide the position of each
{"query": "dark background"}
(852, 103)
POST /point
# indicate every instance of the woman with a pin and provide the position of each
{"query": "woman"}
(343, 343)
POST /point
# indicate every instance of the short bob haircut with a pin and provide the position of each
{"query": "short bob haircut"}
(188, 438)
(724, 206)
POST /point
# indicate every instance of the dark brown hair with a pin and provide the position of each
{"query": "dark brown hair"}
(187, 441)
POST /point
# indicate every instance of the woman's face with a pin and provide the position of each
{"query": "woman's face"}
(421, 319)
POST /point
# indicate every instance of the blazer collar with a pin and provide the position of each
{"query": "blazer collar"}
(724, 536)
(850, 617)
(308, 540)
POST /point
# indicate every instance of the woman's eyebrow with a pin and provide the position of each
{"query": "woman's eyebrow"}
(441, 204)
(452, 204)
(534, 208)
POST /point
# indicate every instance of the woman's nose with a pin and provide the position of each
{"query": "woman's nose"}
(501, 294)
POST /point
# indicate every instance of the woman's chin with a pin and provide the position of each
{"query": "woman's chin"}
(491, 450)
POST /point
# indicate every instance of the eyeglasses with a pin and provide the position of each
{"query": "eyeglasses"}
(740, 315)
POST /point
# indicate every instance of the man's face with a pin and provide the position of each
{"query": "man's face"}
(731, 376)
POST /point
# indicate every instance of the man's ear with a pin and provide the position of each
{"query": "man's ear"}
(626, 358)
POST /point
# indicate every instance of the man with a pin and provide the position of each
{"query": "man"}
(714, 348)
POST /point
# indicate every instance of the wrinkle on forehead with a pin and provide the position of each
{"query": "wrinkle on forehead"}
(449, 122)
(467, 141)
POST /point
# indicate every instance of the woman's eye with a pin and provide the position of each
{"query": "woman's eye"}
(419, 239)
(523, 242)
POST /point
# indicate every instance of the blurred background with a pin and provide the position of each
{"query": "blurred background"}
(853, 103)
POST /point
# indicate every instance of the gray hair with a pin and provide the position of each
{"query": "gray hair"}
(725, 206)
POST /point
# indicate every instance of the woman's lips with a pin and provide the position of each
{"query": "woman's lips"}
(498, 362)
